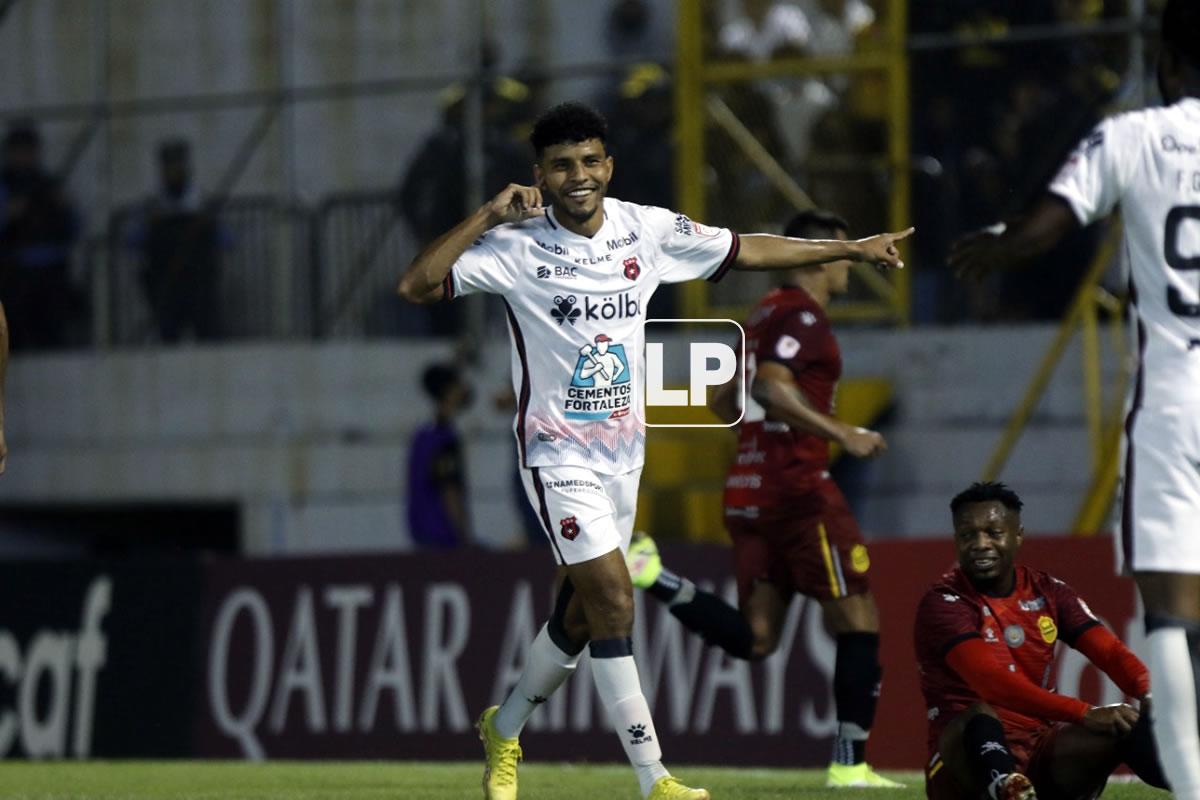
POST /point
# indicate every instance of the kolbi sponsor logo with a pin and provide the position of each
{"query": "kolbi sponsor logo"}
(1036, 604)
(626, 305)
(564, 310)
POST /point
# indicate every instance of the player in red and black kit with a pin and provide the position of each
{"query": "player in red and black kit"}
(985, 637)
(792, 531)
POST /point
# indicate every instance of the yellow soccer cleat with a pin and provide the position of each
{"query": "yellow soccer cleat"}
(500, 772)
(857, 776)
(669, 788)
(643, 560)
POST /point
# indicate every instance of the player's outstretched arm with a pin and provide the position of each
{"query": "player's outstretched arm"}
(776, 391)
(422, 283)
(764, 251)
(1003, 246)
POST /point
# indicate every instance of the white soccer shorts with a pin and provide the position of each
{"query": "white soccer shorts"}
(1160, 511)
(585, 514)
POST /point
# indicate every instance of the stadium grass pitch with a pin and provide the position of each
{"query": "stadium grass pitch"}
(397, 780)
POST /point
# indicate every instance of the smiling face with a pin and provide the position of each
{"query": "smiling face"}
(574, 177)
(987, 536)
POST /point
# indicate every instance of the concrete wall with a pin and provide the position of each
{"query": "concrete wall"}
(310, 441)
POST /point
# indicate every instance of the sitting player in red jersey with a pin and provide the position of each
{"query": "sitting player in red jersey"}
(985, 640)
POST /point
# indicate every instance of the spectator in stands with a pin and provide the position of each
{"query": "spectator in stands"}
(630, 31)
(181, 242)
(644, 105)
(38, 228)
(437, 501)
(441, 161)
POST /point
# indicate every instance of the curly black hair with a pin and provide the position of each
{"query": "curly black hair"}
(567, 122)
(1181, 29)
(815, 223)
(986, 492)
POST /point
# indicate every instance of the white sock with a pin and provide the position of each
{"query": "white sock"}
(617, 683)
(546, 667)
(1174, 710)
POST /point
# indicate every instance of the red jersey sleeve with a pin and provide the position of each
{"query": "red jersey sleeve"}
(1007, 690)
(1115, 659)
(1074, 616)
(944, 619)
(793, 338)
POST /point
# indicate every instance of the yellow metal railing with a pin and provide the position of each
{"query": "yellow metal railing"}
(696, 105)
(1103, 420)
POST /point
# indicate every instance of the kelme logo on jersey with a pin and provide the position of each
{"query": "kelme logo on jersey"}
(600, 387)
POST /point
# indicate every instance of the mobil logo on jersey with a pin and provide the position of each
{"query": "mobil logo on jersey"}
(600, 387)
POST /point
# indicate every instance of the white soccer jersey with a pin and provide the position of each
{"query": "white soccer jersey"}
(1149, 163)
(576, 308)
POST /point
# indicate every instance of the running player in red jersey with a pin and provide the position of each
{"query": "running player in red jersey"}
(985, 638)
(792, 531)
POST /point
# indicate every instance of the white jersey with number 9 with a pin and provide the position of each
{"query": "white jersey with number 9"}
(1148, 163)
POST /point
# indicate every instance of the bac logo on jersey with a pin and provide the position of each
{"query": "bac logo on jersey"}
(569, 528)
(564, 310)
(1014, 635)
(1048, 628)
(632, 270)
(544, 271)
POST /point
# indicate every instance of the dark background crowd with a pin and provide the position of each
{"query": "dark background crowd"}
(987, 131)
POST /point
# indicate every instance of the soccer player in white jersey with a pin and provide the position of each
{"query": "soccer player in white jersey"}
(1148, 162)
(576, 277)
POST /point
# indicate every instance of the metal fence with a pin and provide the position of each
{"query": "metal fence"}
(264, 275)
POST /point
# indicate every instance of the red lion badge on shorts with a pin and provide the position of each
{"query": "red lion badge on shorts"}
(570, 528)
(632, 270)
